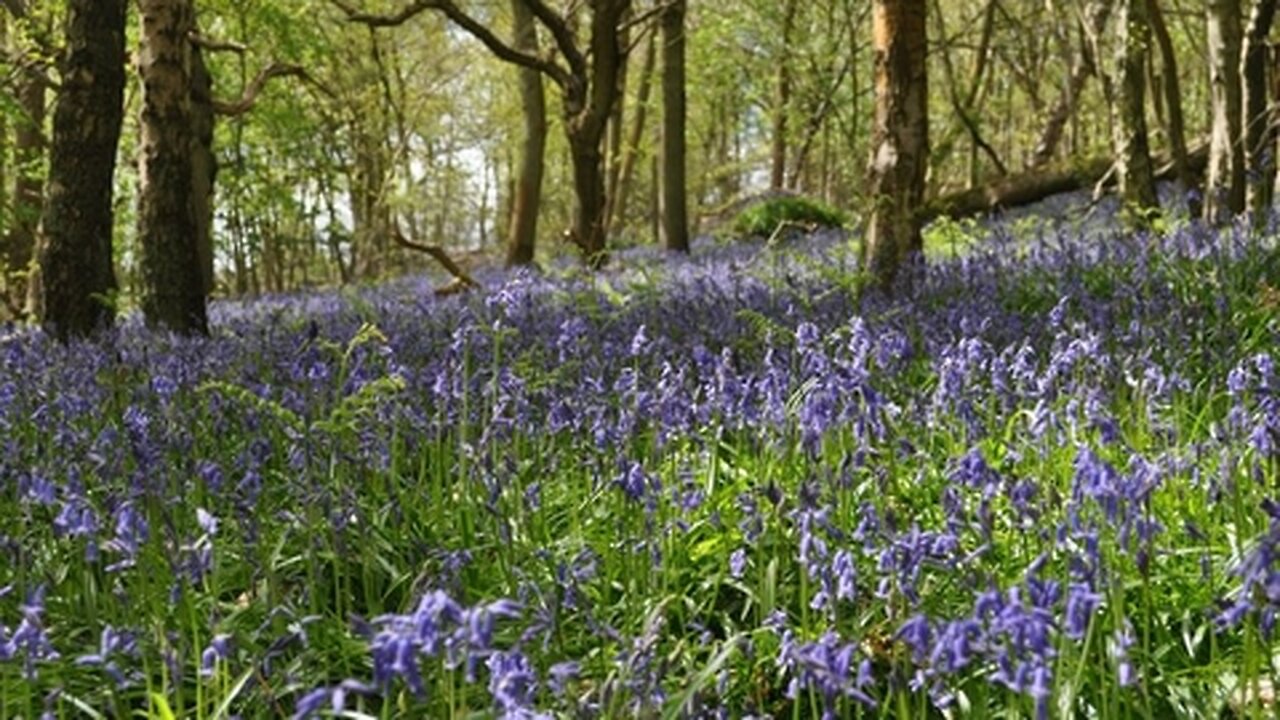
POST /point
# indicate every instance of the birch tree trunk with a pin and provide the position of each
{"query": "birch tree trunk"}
(1259, 135)
(1224, 190)
(900, 138)
(782, 100)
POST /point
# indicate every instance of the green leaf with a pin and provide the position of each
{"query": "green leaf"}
(161, 707)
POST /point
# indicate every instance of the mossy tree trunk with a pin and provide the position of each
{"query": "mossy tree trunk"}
(1133, 154)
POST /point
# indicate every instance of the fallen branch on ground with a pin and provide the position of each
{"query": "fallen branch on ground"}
(462, 280)
(1034, 185)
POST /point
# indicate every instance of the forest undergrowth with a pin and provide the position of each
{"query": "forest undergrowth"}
(1045, 483)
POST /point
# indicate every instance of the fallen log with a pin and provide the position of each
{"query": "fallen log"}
(1035, 185)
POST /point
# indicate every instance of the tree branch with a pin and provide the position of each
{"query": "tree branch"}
(462, 279)
(211, 45)
(500, 48)
(246, 102)
(407, 13)
(473, 27)
(561, 33)
(34, 69)
(647, 15)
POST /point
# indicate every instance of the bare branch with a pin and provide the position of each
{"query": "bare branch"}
(211, 45)
(250, 98)
(462, 280)
(460, 18)
(33, 68)
(500, 48)
(407, 13)
(646, 16)
(561, 33)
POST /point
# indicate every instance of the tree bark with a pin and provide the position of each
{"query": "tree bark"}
(618, 200)
(5, 223)
(588, 232)
(204, 166)
(77, 274)
(587, 107)
(782, 100)
(900, 138)
(1259, 132)
(1225, 191)
(1133, 155)
(615, 135)
(674, 208)
(528, 189)
(1175, 126)
(173, 287)
(28, 187)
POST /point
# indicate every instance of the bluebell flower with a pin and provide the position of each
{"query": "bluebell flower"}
(827, 666)
(737, 563)
(219, 649)
(1118, 648)
(513, 683)
(561, 674)
(334, 698)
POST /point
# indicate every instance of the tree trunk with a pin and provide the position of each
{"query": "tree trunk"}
(1259, 135)
(588, 181)
(77, 275)
(28, 187)
(1133, 156)
(528, 189)
(4, 132)
(619, 199)
(616, 133)
(1175, 126)
(900, 137)
(1065, 107)
(674, 210)
(368, 212)
(782, 100)
(204, 166)
(1225, 192)
(588, 103)
(173, 289)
